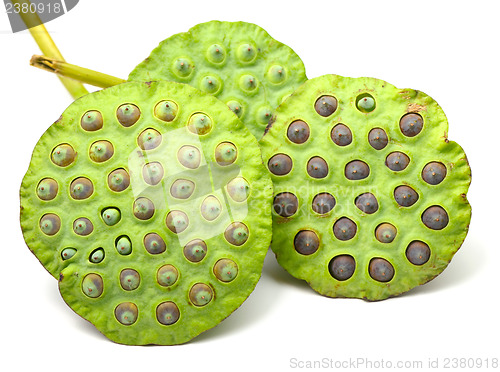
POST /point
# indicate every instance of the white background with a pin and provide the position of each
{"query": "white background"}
(448, 49)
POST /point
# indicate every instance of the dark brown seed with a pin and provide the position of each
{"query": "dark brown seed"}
(167, 313)
(378, 138)
(82, 226)
(143, 208)
(405, 196)
(411, 124)
(47, 189)
(285, 204)
(434, 173)
(101, 151)
(50, 224)
(154, 243)
(342, 267)
(129, 279)
(381, 270)
(325, 105)
(149, 139)
(200, 294)
(280, 164)
(298, 132)
(92, 285)
(126, 313)
(418, 252)
(236, 233)
(226, 270)
(195, 250)
(344, 229)
(306, 242)
(356, 170)
(397, 161)
(323, 203)
(177, 221)
(385, 232)
(317, 167)
(91, 121)
(435, 218)
(81, 188)
(63, 155)
(367, 203)
(341, 135)
(128, 114)
(118, 180)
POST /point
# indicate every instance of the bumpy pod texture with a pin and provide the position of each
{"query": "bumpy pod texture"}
(153, 241)
(380, 206)
(237, 62)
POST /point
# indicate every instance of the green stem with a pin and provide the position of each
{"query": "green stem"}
(48, 47)
(81, 74)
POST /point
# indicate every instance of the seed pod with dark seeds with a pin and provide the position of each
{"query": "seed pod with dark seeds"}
(400, 210)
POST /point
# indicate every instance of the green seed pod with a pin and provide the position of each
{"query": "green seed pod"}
(396, 210)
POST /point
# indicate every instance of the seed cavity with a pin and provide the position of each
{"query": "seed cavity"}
(91, 121)
(225, 153)
(435, 218)
(285, 204)
(128, 114)
(344, 229)
(200, 294)
(418, 253)
(341, 135)
(126, 313)
(317, 167)
(182, 189)
(119, 180)
(298, 132)
(323, 203)
(365, 103)
(195, 250)
(167, 275)
(129, 279)
(397, 161)
(211, 208)
(405, 196)
(210, 84)
(149, 139)
(411, 124)
(216, 53)
(50, 224)
(246, 53)
(381, 270)
(280, 164)
(225, 270)
(83, 226)
(378, 138)
(166, 110)
(183, 67)
(276, 74)
(325, 105)
(97, 255)
(101, 151)
(342, 267)
(143, 208)
(236, 233)
(367, 203)
(67, 253)
(123, 245)
(356, 170)
(63, 155)
(111, 216)
(385, 233)
(47, 189)
(92, 285)
(434, 173)
(167, 313)
(306, 242)
(152, 173)
(177, 221)
(238, 189)
(189, 156)
(199, 123)
(154, 243)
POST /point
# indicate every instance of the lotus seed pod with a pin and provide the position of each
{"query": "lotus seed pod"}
(160, 242)
(237, 62)
(391, 210)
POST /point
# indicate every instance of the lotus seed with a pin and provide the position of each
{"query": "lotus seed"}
(325, 105)
(365, 103)
(397, 161)
(434, 173)
(177, 221)
(154, 243)
(280, 164)
(101, 151)
(385, 233)
(97, 255)
(341, 135)
(124, 245)
(129, 279)
(63, 155)
(210, 84)
(405, 196)
(200, 124)
(225, 153)
(92, 285)
(118, 180)
(276, 74)
(411, 124)
(189, 156)
(182, 189)
(152, 173)
(167, 313)
(246, 53)
(211, 208)
(344, 229)
(285, 204)
(306, 242)
(435, 218)
(50, 224)
(216, 53)
(200, 294)
(356, 170)
(236, 233)
(143, 208)
(166, 110)
(91, 121)
(367, 203)
(342, 267)
(82, 226)
(126, 313)
(183, 68)
(378, 138)
(238, 189)
(323, 203)
(248, 83)
(67, 253)
(225, 270)
(111, 216)
(236, 107)
(317, 167)
(418, 253)
(128, 114)
(381, 270)
(264, 114)
(81, 188)
(195, 250)
(167, 275)
(47, 189)
(298, 131)
(149, 139)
